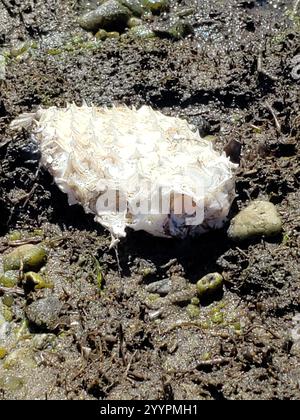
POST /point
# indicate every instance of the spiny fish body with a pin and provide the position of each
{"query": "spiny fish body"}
(141, 157)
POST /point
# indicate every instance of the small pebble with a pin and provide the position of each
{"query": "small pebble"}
(110, 15)
(162, 287)
(37, 280)
(259, 219)
(156, 6)
(155, 314)
(9, 278)
(8, 300)
(31, 256)
(101, 34)
(113, 34)
(209, 285)
(217, 318)
(133, 22)
(180, 29)
(135, 6)
(195, 301)
(142, 31)
(11, 383)
(176, 30)
(44, 313)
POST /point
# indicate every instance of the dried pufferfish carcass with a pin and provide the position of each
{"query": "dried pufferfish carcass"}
(134, 168)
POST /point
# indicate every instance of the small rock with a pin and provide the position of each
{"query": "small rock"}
(111, 16)
(155, 314)
(113, 34)
(217, 318)
(182, 296)
(162, 287)
(135, 6)
(195, 301)
(37, 281)
(44, 313)
(133, 22)
(9, 279)
(20, 357)
(11, 383)
(101, 34)
(209, 285)
(156, 6)
(31, 256)
(142, 31)
(259, 219)
(8, 300)
(176, 30)
(180, 29)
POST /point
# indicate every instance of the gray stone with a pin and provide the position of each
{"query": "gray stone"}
(142, 31)
(156, 6)
(174, 29)
(43, 314)
(259, 219)
(162, 287)
(111, 16)
(136, 6)
(209, 284)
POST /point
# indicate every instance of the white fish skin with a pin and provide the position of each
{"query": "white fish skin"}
(92, 151)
